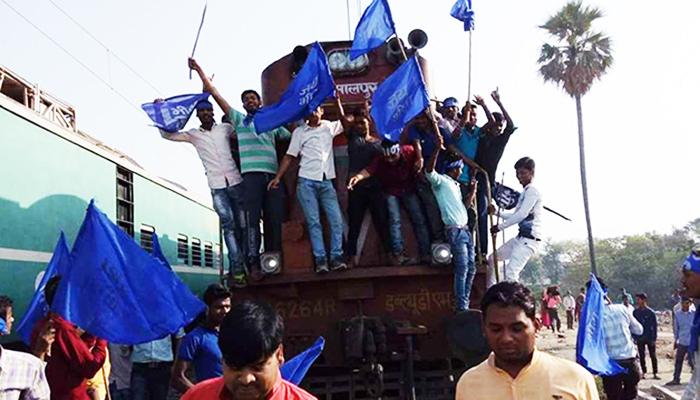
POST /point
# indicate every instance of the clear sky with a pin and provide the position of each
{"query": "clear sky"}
(641, 140)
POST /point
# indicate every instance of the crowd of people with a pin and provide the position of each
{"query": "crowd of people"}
(440, 172)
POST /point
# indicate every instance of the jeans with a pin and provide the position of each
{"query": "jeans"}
(312, 196)
(150, 382)
(652, 354)
(463, 260)
(119, 394)
(517, 251)
(266, 204)
(228, 204)
(482, 202)
(420, 226)
(681, 355)
(367, 194)
(432, 210)
(623, 386)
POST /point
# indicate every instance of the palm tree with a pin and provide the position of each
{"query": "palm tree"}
(577, 58)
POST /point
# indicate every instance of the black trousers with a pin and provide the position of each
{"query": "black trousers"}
(681, 354)
(623, 386)
(569, 319)
(554, 316)
(367, 195)
(431, 208)
(652, 354)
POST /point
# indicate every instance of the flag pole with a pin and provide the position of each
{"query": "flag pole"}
(199, 30)
(469, 74)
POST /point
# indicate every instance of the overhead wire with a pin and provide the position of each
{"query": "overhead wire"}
(107, 49)
(76, 59)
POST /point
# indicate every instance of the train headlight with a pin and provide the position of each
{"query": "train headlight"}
(441, 253)
(339, 62)
(271, 263)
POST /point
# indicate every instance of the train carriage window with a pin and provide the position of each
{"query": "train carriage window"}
(183, 251)
(196, 252)
(125, 200)
(146, 237)
(208, 255)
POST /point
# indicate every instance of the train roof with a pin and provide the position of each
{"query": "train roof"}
(29, 102)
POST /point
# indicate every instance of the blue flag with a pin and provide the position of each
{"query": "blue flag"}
(399, 99)
(295, 369)
(374, 28)
(117, 291)
(38, 308)
(312, 85)
(172, 114)
(157, 252)
(590, 340)
(462, 10)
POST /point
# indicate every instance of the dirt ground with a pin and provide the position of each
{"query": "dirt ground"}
(565, 346)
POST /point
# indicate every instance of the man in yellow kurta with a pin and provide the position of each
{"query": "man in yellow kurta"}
(515, 369)
(97, 385)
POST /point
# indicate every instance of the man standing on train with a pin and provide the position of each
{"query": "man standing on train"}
(212, 142)
(258, 156)
(454, 215)
(528, 215)
(313, 143)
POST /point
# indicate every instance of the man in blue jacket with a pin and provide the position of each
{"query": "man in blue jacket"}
(647, 340)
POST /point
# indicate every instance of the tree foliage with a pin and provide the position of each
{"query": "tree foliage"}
(640, 263)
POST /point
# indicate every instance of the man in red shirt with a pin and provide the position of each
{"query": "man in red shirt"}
(75, 356)
(397, 172)
(250, 339)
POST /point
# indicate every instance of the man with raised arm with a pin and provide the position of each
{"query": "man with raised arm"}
(212, 142)
(496, 133)
(258, 164)
(313, 142)
(528, 216)
(454, 215)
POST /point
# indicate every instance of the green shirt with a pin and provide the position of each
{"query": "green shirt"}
(257, 151)
(449, 199)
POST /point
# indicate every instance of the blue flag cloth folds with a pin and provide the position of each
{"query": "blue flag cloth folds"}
(309, 89)
(117, 291)
(158, 253)
(590, 339)
(399, 99)
(375, 27)
(172, 114)
(58, 265)
(462, 10)
(295, 369)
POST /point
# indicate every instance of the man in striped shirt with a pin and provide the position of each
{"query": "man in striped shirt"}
(258, 166)
(619, 326)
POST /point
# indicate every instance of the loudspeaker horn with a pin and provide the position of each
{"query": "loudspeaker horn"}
(417, 39)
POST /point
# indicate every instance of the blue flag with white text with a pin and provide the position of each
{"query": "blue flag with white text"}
(399, 99)
(590, 339)
(172, 114)
(462, 10)
(374, 28)
(295, 369)
(309, 89)
(38, 307)
(117, 291)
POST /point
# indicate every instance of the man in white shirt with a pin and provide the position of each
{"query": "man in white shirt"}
(313, 143)
(528, 215)
(569, 304)
(213, 145)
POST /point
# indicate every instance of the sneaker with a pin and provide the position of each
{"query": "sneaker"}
(321, 266)
(399, 259)
(656, 377)
(238, 280)
(673, 383)
(338, 264)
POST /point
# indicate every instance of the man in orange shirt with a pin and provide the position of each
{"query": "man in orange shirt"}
(250, 339)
